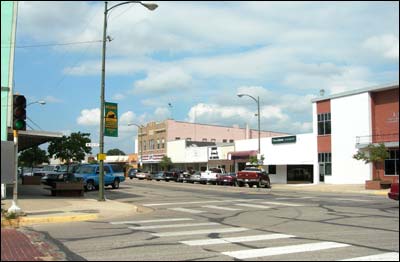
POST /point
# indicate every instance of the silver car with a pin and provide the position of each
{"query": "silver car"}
(195, 177)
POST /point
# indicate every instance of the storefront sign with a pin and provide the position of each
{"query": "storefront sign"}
(285, 139)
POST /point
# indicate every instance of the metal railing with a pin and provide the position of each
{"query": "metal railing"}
(381, 138)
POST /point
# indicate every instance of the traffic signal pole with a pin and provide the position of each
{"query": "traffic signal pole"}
(14, 206)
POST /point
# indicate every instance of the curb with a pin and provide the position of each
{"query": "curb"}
(23, 221)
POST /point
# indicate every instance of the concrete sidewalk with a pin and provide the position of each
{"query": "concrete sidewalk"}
(40, 207)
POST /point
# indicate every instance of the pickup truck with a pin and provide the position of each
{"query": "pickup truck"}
(113, 175)
(210, 175)
(253, 176)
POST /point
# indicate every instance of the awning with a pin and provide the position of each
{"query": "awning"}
(242, 154)
(30, 138)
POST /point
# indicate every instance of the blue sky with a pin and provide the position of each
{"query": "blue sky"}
(198, 56)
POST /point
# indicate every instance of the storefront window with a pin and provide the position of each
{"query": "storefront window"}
(392, 163)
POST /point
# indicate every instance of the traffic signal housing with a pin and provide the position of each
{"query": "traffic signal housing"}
(19, 112)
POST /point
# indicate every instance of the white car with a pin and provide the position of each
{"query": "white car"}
(210, 175)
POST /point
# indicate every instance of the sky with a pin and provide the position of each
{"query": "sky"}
(189, 60)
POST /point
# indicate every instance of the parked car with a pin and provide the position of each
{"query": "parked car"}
(49, 169)
(51, 179)
(253, 176)
(183, 177)
(142, 175)
(195, 177)
(132, 172)
(211, 175)
(226, 179)
(113, 175)
(158, 176)
(394, 191)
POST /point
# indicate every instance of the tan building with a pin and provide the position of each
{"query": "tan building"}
(153, 137)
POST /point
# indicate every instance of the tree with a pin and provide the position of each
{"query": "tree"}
(254, 161)
(32, 157)
(115, 152)
(70, 148)
(165, 163)
(373, 153)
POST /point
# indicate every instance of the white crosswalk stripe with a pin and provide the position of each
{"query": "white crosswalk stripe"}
(222, 208)
(282, 204)
(392, 256)
(174, 225)
(150, 221)
(187, 210)
(283, 250)
(226, 240)
(252, 205)
(200, 232)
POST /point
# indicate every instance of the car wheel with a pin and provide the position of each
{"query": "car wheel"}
(131, 177)
(90, 186)
(115, 185)
(259, 184)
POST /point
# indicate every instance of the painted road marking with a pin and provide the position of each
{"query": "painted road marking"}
(197, 202)
(150, 221)
(227, 240)
(222, 208)
(272, 251)
(175, 225)
(252, 205)
(187, 210)
(282, 204)
(392, 256)
(199, 232)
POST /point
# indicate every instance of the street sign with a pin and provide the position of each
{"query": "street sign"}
(285, 139)
(101, 156)
(111, 119)
(92, 144)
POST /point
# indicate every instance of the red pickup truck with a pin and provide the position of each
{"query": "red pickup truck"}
(253, 176)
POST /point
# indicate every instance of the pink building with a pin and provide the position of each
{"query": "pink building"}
(153, 136)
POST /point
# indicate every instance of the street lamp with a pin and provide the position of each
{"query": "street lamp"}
(258, 106)
(149, 6)
(141, 145)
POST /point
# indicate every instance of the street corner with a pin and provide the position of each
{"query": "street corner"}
(31, 220)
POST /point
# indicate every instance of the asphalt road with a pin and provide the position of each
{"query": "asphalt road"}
(208, 222)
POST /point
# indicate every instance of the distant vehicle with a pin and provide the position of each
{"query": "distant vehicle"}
(227, 179)
(195, 177)
(158, 176)
(142, 175)
(211, 175)
(183, 177)
(51, 179)
(394, 191)
(29, 171)
(132, 173)
(253, 176)
(113, 175)
(49, 169)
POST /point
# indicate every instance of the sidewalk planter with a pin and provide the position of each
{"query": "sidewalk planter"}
(377, 184)
(31, 180)
(67, 189)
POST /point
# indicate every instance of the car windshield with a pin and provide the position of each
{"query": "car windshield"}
(50, 168)
(86, 170)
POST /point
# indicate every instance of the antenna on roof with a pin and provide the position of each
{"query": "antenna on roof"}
(322, 92)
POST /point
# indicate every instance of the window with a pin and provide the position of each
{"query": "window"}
(144, 145)
(204, 140)
(224, 140)
(158, 143)
(324, 124)
(151, 144)
(230, 140)
(106, 169)
(325, 163)
(188, 139)
(272, 169)
(392, 163)
(177, 138)
(162, 143)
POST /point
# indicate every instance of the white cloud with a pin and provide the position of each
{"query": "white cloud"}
(119, 96)
(385, 45)
(163, 81)
(52, 99)
(89, 117)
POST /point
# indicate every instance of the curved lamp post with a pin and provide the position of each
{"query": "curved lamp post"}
(42, 102)
(258, 114)
(149, 6)
(141, 145)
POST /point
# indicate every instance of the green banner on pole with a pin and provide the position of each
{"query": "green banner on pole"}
(111, 119)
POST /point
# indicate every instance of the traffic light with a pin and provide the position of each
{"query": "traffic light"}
(19, 112)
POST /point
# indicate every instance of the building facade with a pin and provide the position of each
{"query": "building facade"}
(153, 137)
(350, 121)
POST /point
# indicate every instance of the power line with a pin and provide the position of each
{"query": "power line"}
(59, 44)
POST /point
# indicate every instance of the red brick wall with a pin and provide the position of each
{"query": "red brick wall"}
(324, 141)
(385, 123)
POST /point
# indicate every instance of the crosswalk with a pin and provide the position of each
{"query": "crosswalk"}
(212, 234)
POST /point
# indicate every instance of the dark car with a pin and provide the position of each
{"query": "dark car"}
(394, 191)
(183, 177)
(132, 173)
(158, 176)
(51, 179)
(226, 179)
